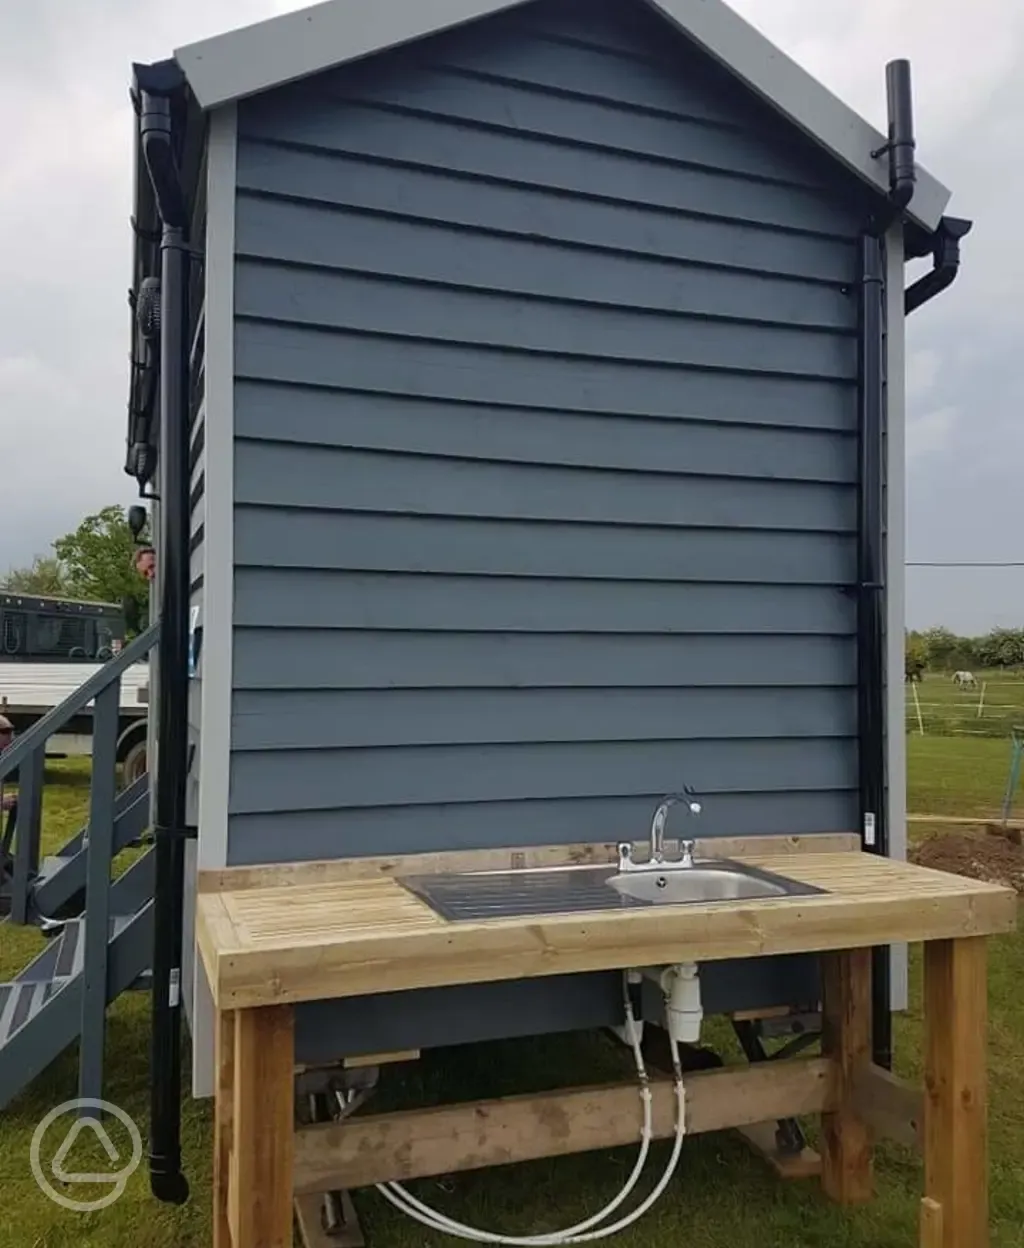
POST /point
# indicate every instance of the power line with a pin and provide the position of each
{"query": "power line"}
(967, 563)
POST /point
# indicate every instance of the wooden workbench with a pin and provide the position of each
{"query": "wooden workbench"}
(274, 936)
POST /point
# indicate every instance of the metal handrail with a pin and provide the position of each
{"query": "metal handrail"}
(56, 718)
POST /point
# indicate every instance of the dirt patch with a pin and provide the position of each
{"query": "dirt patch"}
(989, 853)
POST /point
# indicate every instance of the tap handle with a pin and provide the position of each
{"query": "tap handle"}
(687, 848)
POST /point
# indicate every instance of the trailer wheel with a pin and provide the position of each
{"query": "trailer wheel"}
(134, 765)
(131, 753)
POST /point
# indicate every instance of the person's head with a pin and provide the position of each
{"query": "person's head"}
(145, 562)
(6, 733)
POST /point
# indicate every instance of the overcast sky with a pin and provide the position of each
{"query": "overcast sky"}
(65, 252)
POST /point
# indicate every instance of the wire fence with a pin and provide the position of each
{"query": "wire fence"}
(989, 708)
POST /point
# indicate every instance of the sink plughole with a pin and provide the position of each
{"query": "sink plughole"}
(475, 895)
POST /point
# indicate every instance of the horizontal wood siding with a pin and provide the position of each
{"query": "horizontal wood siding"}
(545, 454)
(545, 467)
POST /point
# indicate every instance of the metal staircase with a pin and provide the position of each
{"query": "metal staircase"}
(100, 928)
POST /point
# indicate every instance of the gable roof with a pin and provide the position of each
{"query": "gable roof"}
(296, 45)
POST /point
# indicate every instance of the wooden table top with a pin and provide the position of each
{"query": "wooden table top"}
(317, 937)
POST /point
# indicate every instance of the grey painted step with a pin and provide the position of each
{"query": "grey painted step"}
(62, 955)
(40, 1018)
(71, 954)
(130, 891)
(22, 1003)
(62, 875)
(44, 966)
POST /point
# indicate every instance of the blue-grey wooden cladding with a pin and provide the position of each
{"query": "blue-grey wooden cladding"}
(545, 460)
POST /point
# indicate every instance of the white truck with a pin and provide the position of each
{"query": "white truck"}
(48, 648)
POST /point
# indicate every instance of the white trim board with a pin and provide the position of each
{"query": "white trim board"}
(895, 577)
(215, 661)
(296, 45)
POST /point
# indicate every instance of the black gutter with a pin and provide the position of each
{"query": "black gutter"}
(945, 249)
(160, 90)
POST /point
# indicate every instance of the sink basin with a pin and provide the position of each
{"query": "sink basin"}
(716, 880)
(474, 895)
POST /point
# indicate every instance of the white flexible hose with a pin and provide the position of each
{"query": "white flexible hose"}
(408, 1204)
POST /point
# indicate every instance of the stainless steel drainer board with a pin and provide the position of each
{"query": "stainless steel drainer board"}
(461, 897)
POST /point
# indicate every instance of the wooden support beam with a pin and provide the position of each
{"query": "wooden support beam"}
(846, 1039)
(310, 1223)
(409, 1144)
(381, 1059)
(263, 1128)
(223, 1126)
(955, 1105)
(803, 1165)
(931, 1224)
(765, 1011)
(357, 1062)
(892, 1108)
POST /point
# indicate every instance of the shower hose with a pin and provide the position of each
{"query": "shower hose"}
(581, 1232)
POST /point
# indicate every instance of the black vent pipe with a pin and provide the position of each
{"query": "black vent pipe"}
(167, 1181)
(901, 144)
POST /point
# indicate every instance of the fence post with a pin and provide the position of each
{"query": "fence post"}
(917, 707)
(981, 700)
(102, 795)
(1017, 747)
(27, 830)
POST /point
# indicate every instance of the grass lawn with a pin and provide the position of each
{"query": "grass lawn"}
(723, 1197)
(991, 709)
(958, 776)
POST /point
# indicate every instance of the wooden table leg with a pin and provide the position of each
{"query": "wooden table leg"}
(955, 1111)
(222, 1126)
(846, 1171)
(263, 1128)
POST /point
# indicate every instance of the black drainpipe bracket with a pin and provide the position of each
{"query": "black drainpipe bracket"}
(186, 833)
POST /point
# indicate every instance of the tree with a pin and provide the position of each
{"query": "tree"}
(98, 563)
(1002, 647)
(44, 576)
(915, 656)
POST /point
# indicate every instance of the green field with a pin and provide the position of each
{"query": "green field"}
(991, 709)
(723, 1197)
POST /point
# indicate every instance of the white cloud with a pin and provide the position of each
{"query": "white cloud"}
(65, 200)
(931, 432)
(923, 368)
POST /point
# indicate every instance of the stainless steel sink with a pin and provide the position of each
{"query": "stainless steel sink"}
(712, 880)
(474, 895)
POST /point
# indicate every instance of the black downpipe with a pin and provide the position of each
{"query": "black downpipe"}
(871, 665)
(870, 603)
(167, 1181)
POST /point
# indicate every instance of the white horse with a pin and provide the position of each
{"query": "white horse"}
(964, 680)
